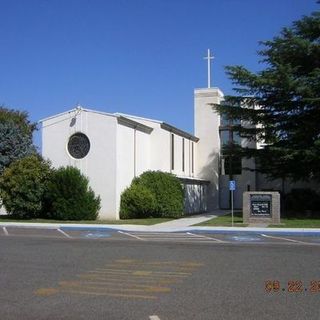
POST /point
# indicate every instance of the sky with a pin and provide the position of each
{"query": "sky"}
(141, 57)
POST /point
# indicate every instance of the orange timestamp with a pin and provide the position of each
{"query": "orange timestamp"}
(292, 286)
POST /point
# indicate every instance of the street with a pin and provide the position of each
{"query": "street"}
(57, 277)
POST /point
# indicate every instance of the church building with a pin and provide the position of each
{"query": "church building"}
(113, 148)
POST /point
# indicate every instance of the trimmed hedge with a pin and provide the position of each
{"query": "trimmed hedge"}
(69, 197)
(22, 186)
(137, 201)
(166, 190)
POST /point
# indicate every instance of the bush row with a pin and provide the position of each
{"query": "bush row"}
(301, 202)
(152, 194)
(31, 188)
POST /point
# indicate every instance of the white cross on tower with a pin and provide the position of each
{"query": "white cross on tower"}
(209, 58)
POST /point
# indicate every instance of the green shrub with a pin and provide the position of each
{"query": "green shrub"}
(69, 197)
(167, 190)
(137, 202)
(22, 186)
(302, 202)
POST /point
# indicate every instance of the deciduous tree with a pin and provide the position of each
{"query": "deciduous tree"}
(16, 136)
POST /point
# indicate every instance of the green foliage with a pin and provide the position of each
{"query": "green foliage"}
(302, 202)
(22, 186)
(153, 194)
(16, 136)
(20, 118)
(287, 120)
(167, 190)
(137, 201)
(69, 197)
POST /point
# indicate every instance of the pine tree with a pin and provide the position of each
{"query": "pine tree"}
(281, 103)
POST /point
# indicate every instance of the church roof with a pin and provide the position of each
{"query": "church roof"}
(128, 120)
(78, 108)
(164, 126)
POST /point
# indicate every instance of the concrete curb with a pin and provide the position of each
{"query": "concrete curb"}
(155, 228)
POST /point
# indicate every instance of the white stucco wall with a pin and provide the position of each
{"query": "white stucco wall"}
(160, 149)
(133, 158)
(119, 151)
(143, 153)
(124, 161)
(100, 163)
(206, 123)
(195, 198)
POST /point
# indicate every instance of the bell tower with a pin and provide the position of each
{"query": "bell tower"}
(206, 124)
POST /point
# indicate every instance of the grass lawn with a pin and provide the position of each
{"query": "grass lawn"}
(147, 221)
(298, 223)
(225, 221)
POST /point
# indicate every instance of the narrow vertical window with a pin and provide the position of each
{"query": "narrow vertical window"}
(182, 154)
(172, 151)
(192, 158)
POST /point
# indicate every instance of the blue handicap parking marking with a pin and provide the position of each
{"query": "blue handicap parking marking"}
(245, 237)
(88, 232)
(97, 234)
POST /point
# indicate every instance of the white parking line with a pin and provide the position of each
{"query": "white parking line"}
(168, 236)
(281, 238)
(154, 317)
(5, 231)
(65, 234)
(204, 237)
(164, 235)
(130, 235)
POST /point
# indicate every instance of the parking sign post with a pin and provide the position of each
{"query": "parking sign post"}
(232, 187)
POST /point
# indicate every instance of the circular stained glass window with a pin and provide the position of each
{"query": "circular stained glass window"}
(78, 145)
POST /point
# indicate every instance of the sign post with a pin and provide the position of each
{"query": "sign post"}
(232, 187)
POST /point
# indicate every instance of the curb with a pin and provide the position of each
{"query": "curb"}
(154, 228)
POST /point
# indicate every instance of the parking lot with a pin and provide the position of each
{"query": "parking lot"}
(100, 273)
(193, 236)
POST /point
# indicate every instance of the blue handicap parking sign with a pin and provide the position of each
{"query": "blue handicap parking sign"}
(232, 185)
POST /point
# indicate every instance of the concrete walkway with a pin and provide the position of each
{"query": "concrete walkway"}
(192, 220)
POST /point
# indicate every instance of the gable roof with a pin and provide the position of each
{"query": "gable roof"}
(127, 119)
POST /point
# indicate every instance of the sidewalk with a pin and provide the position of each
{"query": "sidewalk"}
(178, 225)
(192, 220)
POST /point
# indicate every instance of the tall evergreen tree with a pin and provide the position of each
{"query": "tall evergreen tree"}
(281, 103)
(15, 136)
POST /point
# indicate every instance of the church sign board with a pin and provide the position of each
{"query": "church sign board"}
(261, 207)
(260, 204)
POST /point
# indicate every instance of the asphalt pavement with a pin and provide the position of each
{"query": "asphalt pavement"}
(63, 273)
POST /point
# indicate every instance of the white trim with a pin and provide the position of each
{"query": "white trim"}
(136, 117)
(76, 109)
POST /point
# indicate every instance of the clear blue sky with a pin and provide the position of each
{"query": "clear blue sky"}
(142, 57)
